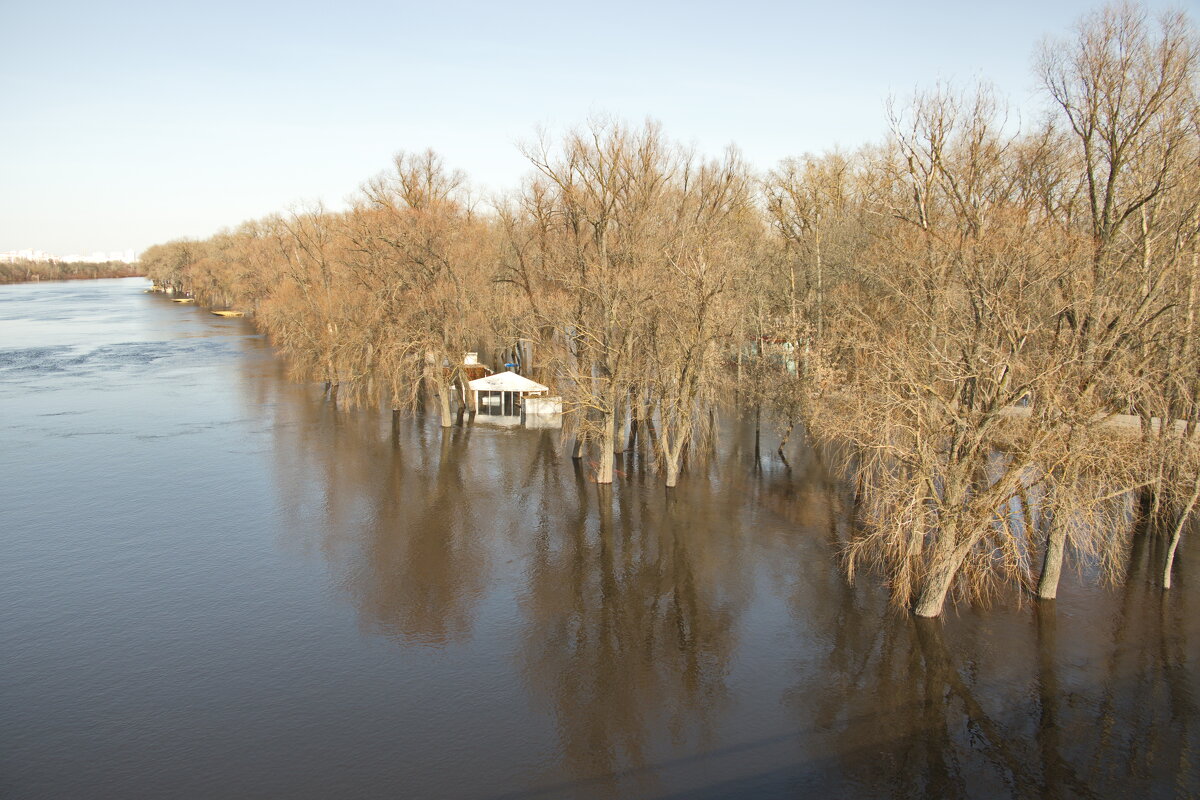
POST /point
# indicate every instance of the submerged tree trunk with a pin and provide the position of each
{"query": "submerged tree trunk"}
(618, 438)
(1056, 535)
(1177, 533)
(946, 561)
(673, 457)
(604, 474)
(672, 472)
(1169, 562)
(1056, 544)
(787, 435)
(676, 438)
(444, 406)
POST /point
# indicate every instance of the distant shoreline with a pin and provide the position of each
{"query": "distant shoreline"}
(36, 272)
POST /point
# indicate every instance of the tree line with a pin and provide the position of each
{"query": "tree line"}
(987, 323)
(26, 271)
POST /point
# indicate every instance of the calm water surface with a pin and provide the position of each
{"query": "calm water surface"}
(212, 584)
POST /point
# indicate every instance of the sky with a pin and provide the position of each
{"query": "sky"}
(125, 124)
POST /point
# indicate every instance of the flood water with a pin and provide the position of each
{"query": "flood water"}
(213, 584)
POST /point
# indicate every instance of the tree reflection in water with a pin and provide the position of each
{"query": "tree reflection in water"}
(396, 528)
(1087, 700)
(632, 608)
(702, 642)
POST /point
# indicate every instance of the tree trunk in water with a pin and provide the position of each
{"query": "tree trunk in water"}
(787, 435)
(444, 405)
(1170, 560)
(1056, 543)
(618, 431)
(672, 471)
(1178, 532)
(605, 473)
(946, 562)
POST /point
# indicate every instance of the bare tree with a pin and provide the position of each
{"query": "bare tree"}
(940, 339)
(708, 228)
(608, 184)
(421, 254)
(1126, 95)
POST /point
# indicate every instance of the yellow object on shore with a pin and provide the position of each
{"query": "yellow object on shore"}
(230, 313)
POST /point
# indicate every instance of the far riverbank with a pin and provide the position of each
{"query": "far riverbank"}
(36, 271)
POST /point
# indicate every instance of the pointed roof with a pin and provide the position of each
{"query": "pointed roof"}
(506, 382)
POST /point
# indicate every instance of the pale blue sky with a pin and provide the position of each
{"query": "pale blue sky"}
(126, 124)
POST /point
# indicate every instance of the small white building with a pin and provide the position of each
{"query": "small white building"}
(502, 394)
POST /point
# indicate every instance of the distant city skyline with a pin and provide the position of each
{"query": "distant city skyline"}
(151, 122)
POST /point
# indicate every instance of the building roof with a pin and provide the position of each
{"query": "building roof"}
(506, 382)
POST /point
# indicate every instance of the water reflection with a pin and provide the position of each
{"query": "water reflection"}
(632, 609)
(396, 523)
(660, 633)
(215, 582)
(1052, 702)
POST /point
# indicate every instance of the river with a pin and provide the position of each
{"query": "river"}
(213, 584)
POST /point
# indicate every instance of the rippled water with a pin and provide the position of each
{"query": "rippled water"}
(213, 584)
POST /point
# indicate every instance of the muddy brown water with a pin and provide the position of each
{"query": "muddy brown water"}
(213, 584)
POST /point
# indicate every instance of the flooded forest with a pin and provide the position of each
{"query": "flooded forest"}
(985, 325)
